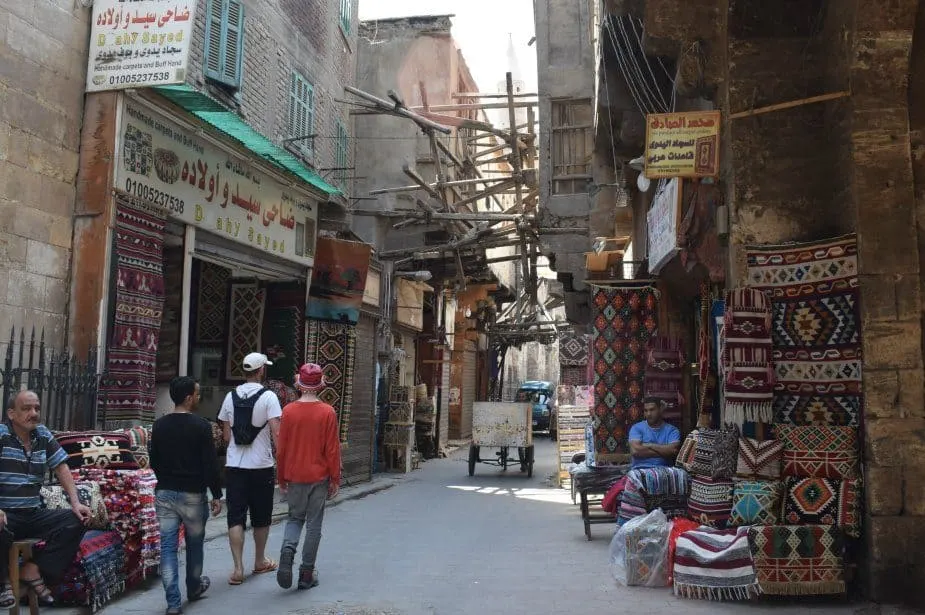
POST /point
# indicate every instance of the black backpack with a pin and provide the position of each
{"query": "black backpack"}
(243, 430)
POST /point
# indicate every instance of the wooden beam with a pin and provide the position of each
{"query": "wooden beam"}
(459, 182)
(479, 216)
(402, 111)
(791, 104)
(480, 95)
(473, 107)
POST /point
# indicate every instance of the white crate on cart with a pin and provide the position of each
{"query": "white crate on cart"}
(502, 424)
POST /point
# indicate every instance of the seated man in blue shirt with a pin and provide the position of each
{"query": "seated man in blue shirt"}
(653, 442)
(28, 451)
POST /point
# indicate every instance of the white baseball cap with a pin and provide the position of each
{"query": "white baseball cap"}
(255, 361)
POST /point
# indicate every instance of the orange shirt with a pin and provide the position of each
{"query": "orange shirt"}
(308, 450)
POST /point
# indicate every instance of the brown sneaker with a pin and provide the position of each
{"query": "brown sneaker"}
(308, 578)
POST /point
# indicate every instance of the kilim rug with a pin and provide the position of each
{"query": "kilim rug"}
(816, 329)
(212, 303)
(824, 501)
(756, 503)
(128, 386)
(664, 376)
(710, 501)
(827, 452)
(625, 319)
(748, 377)
(714, 565)
(333, 347)
(798, 560)
(760, 459)
(245, 329)
(574, 349)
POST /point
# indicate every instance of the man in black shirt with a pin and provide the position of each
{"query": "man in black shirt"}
(183, 458)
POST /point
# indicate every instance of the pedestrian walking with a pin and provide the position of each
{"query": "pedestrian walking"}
(308, 470)
(182, 455)
(250, 424)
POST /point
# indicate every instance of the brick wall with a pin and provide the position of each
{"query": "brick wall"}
(281, 36)
(43, 57)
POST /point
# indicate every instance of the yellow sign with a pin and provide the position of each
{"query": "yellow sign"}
(682, 144)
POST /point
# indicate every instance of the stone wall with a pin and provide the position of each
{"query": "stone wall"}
(43, 59)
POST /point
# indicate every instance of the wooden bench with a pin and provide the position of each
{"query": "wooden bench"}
(594, 518)
(21, 551)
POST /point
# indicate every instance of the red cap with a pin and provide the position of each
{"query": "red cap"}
(310, 378)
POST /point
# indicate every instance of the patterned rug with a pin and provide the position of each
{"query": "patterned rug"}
(128, 386)
(625, 319)
(212, 303)
(827, 452)
(760, 459)
(816, 329)
(710, 501)
(664, 376)
(574, 349)
(246, 327)
(333, 346)
(97, 576)
(748, 378)
(802, 560)
(714, 565)
(824, 501)
(756, 503)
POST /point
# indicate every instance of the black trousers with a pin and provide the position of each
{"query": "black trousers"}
(60, 529)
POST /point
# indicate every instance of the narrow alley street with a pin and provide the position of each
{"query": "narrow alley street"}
(443, 543)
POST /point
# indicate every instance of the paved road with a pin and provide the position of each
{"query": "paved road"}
(443, 543)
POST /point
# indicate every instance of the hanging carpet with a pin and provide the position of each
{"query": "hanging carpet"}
(245, 329)
(624, 319)
(664, 376)
(128, 386)
(816, 329)
(333, 347)
(748, 377)
(212, 304)
(574, 349)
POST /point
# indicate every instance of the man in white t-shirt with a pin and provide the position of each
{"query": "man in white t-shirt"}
(249, 480)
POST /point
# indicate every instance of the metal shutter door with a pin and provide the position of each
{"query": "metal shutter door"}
(470, 373)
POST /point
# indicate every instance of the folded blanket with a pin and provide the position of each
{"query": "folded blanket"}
(650, 488)
(715, 565)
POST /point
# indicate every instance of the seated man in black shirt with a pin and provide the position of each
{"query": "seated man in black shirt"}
(183, 458)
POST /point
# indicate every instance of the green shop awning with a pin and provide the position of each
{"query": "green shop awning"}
(213, 113)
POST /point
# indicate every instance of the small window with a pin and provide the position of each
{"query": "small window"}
(224, 42)
(302, 114)
(343, 155)
(572, 145)
(346, 14)
(299, 239)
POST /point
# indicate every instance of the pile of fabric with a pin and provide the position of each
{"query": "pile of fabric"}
(129, 498)
(650, 488)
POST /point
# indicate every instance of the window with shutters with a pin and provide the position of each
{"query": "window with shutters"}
(572, 144)
(346, 15)
(343, 154)
(224, 42)
(302, 114)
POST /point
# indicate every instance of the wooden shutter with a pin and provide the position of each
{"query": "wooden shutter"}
(301, 112)
(234, 43)
(212, 53)
(224, 42)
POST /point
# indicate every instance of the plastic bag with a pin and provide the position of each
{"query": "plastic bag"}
(639, 551)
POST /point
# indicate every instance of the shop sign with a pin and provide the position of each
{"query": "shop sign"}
(208, 187)
(682, 144)
(662, 223)
(139, 44)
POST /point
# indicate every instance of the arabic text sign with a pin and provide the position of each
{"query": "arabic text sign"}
(203, 185)
(682, 144)
(662, 222)
(139, 44)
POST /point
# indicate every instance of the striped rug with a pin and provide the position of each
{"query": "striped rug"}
(715, 565)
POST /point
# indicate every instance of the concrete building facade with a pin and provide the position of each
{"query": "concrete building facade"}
(43, 58)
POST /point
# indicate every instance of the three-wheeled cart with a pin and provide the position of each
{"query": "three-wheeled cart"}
(505, 426)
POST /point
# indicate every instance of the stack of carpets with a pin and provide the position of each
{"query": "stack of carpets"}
(129, 499)
(715, 565)
(97, 575)
(650, 488)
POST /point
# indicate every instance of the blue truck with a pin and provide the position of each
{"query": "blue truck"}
(541, 394)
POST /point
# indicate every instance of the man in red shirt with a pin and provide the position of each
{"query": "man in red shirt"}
(308, 471)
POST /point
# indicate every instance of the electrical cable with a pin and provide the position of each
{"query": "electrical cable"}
(655, 96)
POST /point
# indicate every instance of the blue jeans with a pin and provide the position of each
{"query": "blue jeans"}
(192, 510)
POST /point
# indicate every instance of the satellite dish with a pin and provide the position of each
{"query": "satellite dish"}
(643, 183)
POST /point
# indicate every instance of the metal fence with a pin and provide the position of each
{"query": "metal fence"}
(67, 387)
